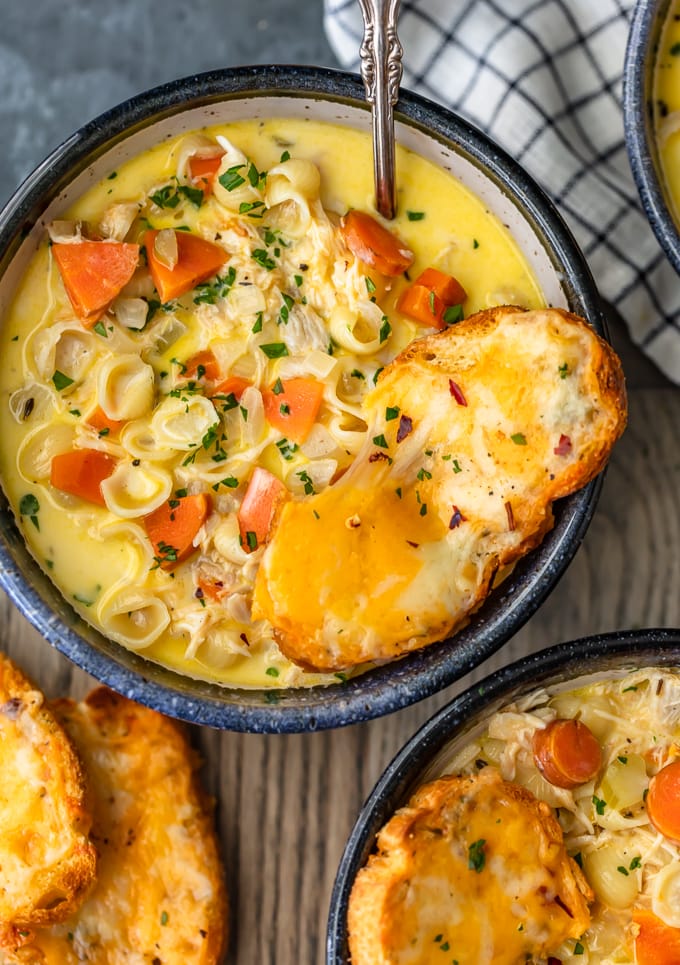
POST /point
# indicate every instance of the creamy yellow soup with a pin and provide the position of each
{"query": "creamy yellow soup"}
(667, 105)
(291, 302)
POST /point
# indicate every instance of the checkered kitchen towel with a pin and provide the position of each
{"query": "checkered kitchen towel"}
(543, 79)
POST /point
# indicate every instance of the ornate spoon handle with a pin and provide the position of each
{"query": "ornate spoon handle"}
(380, 55)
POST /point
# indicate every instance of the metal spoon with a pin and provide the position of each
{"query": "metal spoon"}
(380, 55)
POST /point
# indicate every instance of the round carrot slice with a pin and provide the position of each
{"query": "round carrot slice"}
(567, 753)
(375, 245)
(663, 801)
(656, 943)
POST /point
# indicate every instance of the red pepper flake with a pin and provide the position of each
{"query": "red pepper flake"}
(411, 543)
(405, 428)
(455, 391)
(456, 519)
(563, 447)
(376, 456)
(510, 515)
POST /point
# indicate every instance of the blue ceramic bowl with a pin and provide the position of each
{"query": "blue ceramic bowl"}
(638, 97)
(421, 759)
(428, 129)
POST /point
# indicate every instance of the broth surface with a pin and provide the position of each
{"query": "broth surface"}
(336, 319)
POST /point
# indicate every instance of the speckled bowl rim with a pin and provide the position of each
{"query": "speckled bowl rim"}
(638, 70)
(381, 690)
(600, 654)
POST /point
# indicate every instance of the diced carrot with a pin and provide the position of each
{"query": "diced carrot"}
(663, 801)
(374, 244)
(101, 422)
(566, 752)
(93, 273)
(202, 365)
(292, 406)
(81, 473)
(429, 297)
(197, 260)
(202, 171)
(173, 526)
(256, 514)
(233, 385)
(656, 943)
(422, 305)
(445, 286)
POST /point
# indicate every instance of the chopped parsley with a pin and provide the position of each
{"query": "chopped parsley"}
(599, 804)
(274, 350)
(263, 259)
(385, 329)
(272, 672)
(391, 412)
(381, 441)
(100, 329)
(29, 506)
(453, 314)
(286, 448)
(257, 327)
(232, 179)
(209, 292)
(61, 381)
(308, 483)
(519, 438)
(477, 855)
(231, 482)
(415, 215)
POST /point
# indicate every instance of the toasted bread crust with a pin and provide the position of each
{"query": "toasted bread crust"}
(160, 893)
(484, 856)
(525, 405)
(47, 862)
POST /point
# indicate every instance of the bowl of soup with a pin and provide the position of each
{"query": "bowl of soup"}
(530, 818)
(183, 347)
(651, 106)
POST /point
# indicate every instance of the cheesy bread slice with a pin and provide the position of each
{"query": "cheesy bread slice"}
(160, 893)
(47, 862)
(473, 869)
(473, 433)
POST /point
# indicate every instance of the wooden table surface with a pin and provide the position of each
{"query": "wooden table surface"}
(286, 804)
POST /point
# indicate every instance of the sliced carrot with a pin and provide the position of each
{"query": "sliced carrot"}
(422, 305)
(81, 473)
(202, 171)
(101, 422)
(567, 753)
(292, 406)
(374, 244)
(656, 943)
(173, 526)
(197, 260)
(202, 365)
(445, 286)
(233, 385)
(93, 273)
(663, 802)
(263, 496)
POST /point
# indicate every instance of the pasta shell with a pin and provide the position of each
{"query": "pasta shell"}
(181, 423)
(125, 387)
(132, 617)
(132, 491)
(35, 453)
(666, 894)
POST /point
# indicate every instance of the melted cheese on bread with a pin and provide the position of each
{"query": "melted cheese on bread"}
(474, 870)
(473, 433)
(47, 862)
(160, 894)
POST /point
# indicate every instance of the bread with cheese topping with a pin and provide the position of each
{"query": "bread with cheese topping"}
(47, 862)
(473, 433)
(473, 869)
(160, 893)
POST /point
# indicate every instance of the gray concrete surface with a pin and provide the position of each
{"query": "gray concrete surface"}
(62, 62)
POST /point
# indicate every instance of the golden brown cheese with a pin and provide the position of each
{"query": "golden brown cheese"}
(160, 894)
(474, 870)
(473, 433)
(47, 862)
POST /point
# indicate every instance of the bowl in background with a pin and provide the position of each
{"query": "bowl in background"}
(642, 48)
(423, 758)
(505, 189)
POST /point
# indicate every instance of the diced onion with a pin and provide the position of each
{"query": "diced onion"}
(165, 247)
(131, 312)
(666, 894)
(612, 886)
(65, 232)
